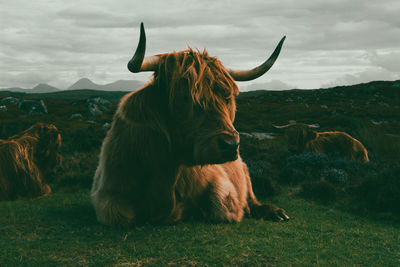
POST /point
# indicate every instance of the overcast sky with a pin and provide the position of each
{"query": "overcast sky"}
(328, 43)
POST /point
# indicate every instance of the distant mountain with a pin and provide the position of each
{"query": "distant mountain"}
(84, 83)
(120, 85)
(43, 88)
(40, 88)
(123, 85)
(15, 89)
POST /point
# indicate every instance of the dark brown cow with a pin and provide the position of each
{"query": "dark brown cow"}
(172, 150)
(25, 161)
(303, 137)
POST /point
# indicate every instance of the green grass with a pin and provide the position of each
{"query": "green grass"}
(61, 230)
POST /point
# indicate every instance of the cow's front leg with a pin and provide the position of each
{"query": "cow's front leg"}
(224, 201)
(112, 210)
(163, 206)
(268, 211)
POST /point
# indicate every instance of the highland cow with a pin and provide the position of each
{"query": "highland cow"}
(172, 151)
(26, 160)
(302, 137)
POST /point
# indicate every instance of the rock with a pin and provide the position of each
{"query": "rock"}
(99, 101)
(3, 108)
(262, 136)
(33, 106)
(77, 116)
(246, 134)
(10, 100)
(375, 122)
(106, 126)
(94, 110)
(259, 136)
(384, 104)
(98, 106)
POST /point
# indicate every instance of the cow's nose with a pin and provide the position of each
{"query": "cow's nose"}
(226, 145)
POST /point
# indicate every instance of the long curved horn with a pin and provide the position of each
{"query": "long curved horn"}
(313, 126)
(284, 126)
(139, 62)
(294, 124)
(248, 75)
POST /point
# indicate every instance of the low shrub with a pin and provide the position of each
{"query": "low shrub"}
(380, 191)
(335, 176)
(321, 191)
(77, 170)
(262, 181)
(302, 168)
(83, 139)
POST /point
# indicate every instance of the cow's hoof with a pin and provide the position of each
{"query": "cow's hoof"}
(270, 212)
(281, 215)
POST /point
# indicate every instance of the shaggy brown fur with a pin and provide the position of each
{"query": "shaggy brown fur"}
(26, 159)
(303, 138)
(162, 160)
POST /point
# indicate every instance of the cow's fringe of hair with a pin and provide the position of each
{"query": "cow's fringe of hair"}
(205, 77)
(22, 177)
(24, 159)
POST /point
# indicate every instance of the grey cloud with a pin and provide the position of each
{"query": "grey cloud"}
(368, 75)
(325, 39)
(271, 85)
(26, 79)
(389, 61)
(95, 17)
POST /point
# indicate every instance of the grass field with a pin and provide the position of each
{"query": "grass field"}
(358, 223)
(61, 230)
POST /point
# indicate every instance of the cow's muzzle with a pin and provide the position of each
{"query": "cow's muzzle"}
(229, 147)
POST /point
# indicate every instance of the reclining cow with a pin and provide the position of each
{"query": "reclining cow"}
(26, 160)
(302, 137)
(172, 149)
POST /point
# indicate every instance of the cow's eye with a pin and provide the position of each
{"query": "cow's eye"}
(228, 99)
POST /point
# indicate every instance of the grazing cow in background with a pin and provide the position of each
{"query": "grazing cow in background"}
(25, 161)
(302, 137)
(172, 149)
